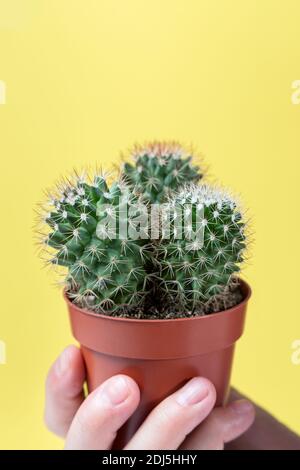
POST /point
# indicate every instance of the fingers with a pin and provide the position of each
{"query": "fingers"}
(64, 390)
(223, 425)
(93, 424)
(103, 412)
(169, 423)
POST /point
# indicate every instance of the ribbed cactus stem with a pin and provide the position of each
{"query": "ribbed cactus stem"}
(105, 269)
(159, 168)
(201, 263)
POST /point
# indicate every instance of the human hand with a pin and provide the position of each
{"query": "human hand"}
(267, 433)
(186, 419)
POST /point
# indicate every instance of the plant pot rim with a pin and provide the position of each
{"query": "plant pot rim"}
(245, 286)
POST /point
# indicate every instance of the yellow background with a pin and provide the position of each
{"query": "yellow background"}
(85, 79)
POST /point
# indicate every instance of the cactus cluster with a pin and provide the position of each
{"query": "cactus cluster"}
(203, 247)
(159, 169)
(106, 268)
(100, 234)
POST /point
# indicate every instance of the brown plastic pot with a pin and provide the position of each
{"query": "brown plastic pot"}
(160, 355)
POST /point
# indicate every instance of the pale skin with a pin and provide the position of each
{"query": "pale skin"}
(186, 419)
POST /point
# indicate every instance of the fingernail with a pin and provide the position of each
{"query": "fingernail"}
(63, 362)
(241, 407)
(193, 392)
(116, 390)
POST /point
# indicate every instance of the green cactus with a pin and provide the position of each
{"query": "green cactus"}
(160, 168)
(99, 234)
(105, 269)
(199, 261)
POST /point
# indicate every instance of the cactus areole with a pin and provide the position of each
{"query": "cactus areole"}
(150, 264)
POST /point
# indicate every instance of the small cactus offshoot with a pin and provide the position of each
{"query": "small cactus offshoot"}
(200, 263)
(105, 267)
(159, 168)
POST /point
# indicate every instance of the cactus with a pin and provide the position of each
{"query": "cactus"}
(99, 234)
(105, 270)
(200, 261)
(160, 168)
